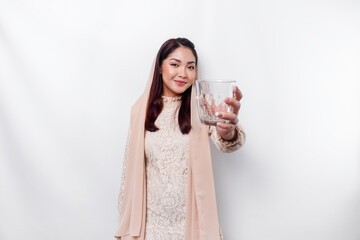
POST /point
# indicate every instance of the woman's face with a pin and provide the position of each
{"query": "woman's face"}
(178, 71)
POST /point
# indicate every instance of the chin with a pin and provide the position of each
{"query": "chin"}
(181, 91)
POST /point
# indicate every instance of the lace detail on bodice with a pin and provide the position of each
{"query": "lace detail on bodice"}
(166, 152)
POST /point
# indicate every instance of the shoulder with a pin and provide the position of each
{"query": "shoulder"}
(139, 106)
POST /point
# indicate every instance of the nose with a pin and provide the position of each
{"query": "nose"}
(182, 72)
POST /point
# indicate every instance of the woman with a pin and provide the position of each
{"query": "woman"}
(167, 189)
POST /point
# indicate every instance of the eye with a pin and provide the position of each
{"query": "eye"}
(174, 65)
(191, 67)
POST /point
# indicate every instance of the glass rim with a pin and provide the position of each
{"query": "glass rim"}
(215, 81)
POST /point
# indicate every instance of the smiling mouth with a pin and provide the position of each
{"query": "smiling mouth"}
(179, 82)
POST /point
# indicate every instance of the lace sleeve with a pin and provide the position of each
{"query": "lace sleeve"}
(123, 175)
(228, 146)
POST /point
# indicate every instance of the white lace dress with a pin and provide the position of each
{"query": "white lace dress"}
(166, 156)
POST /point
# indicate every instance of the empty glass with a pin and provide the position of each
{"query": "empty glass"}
(211, 96)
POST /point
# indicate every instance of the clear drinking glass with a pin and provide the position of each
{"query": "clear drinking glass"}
(210, 96)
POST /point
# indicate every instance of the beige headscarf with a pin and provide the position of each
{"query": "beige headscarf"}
(201, 211)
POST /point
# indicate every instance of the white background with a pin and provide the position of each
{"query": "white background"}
(70, 70)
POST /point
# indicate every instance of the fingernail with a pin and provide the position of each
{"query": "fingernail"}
(227, 99)
(218, 114)
(219, 124)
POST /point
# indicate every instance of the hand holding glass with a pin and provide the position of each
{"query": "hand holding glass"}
(211, 96)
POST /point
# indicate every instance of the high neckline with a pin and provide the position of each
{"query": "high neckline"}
(171, 102)
(171, 99)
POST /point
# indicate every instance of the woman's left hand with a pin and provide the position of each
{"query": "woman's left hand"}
(227, 130)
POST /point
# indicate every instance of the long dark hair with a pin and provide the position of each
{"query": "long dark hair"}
(155, 103)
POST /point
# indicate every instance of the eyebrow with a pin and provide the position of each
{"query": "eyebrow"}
(175, 59)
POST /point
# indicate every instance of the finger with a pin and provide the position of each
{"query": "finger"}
(226, 126)
(235, 104)
(228, 116)
(237, 93)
